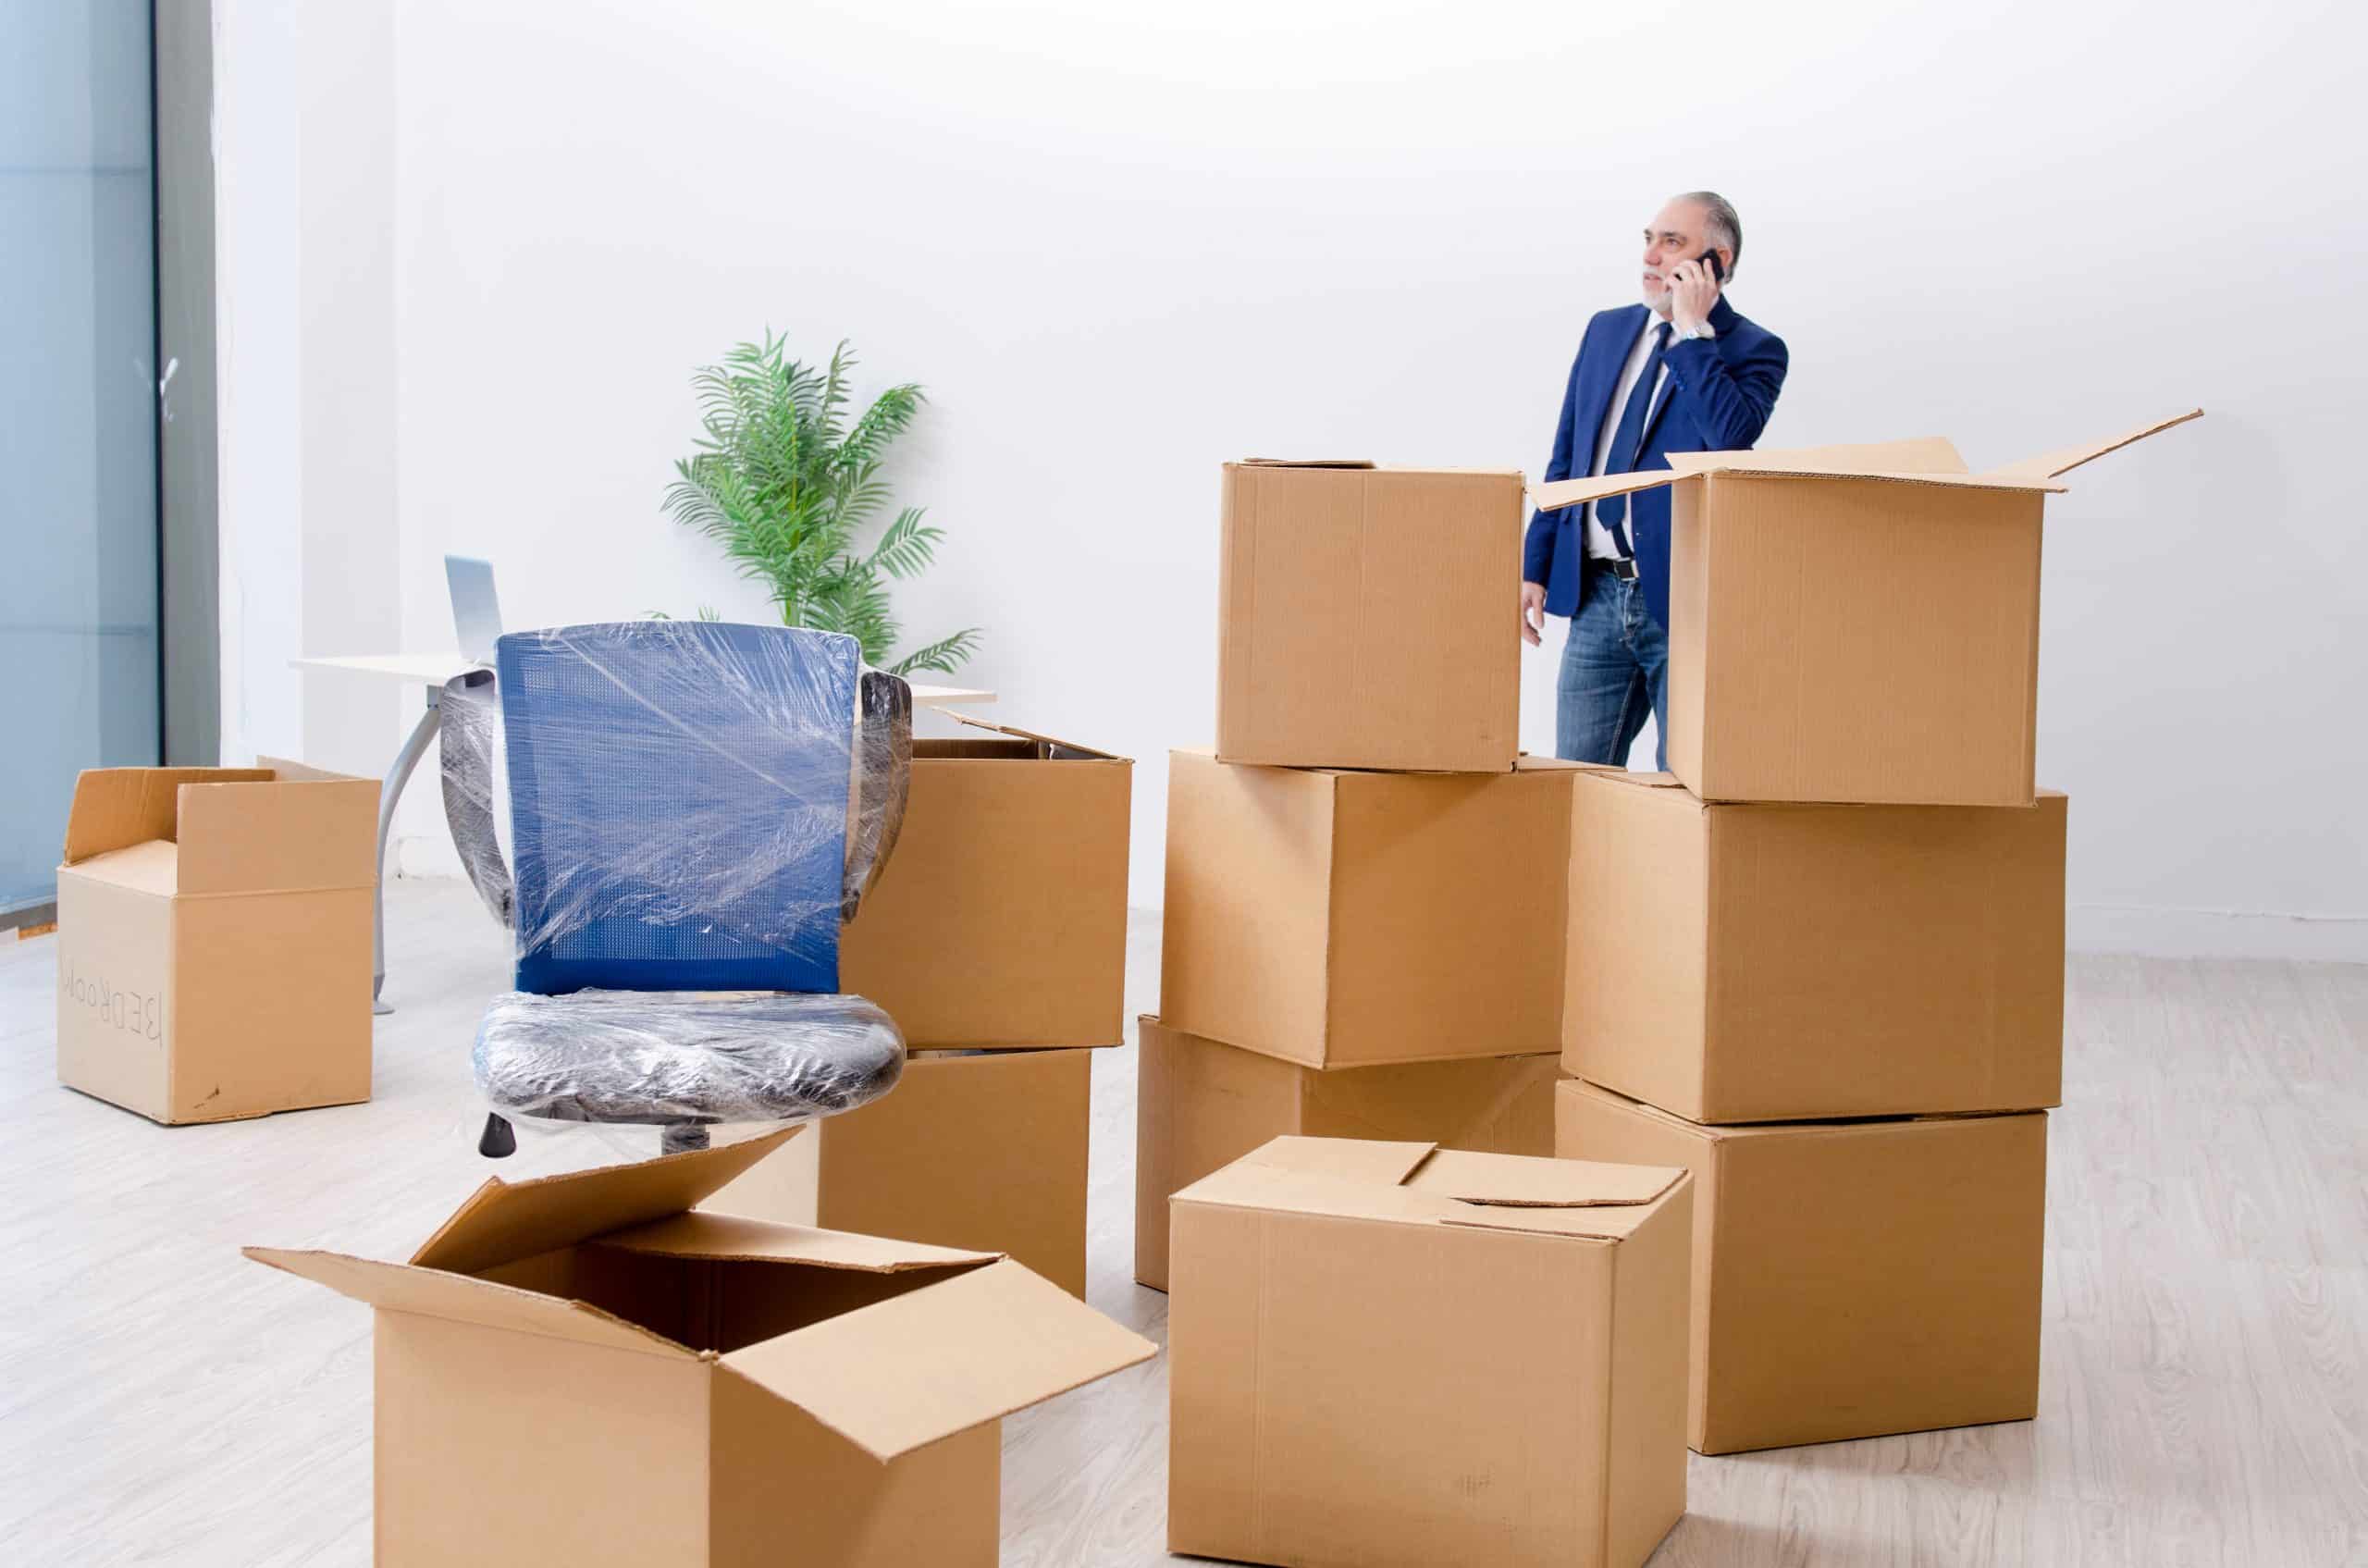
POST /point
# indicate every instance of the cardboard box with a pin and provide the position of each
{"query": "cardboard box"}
(1200, 1105)
(580, 1370)
(1762, 963)
(1001, 918)
(1852, 623)
(985, 1152)
(1399, 1356)
(1850, 1279)
(214, 940)
(1337, 918)
(1362, 617)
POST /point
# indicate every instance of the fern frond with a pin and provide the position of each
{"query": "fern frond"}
(907, 546)
(945, 656)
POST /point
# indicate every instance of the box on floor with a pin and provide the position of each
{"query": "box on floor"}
(1362, 618)
(1397, 1356)
(983, 1151)
(1734, 962)
(579, 1370)
(1001, 918)
(1853, 622)
(1850, 1279)
(1334, 918)
(1200, 1105)
(214, 947)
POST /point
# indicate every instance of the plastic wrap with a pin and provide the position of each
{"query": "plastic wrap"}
(684, 1057)
(691, 804)
(466, 748)
(883, 781)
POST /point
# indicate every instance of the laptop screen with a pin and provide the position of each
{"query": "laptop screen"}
(476, 614)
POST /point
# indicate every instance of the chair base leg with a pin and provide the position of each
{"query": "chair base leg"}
(499, 1140)
(681, 1136)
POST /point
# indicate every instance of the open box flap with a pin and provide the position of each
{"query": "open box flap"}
(1612, 774)
(294, 835)
(115, 808)
(1321, 1177)
(2052, 464)
(1819, 463)
(1528, 1181)
(504, 1221)
(725, 1236)
(1594, 1222)
(151, 867)
(908, 1371)
(1353, 1159)
(1953, 481)
(289, 772)
(403, 1287)
(1088, 752)
(1559, 493)
(1923, 455)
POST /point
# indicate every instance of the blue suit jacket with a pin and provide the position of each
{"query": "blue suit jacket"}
(1717, 398)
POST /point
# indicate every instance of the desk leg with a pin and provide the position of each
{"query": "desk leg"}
(396, 776)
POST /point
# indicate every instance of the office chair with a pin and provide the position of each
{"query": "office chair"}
(694, 808)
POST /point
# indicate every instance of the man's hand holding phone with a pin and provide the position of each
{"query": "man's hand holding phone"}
(1533, 612)
(1694, 288)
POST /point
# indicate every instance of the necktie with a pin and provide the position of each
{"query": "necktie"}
(1612, 511)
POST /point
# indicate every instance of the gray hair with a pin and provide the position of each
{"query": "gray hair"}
(1719, 217)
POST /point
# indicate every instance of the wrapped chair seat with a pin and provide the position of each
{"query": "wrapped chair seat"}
(696, 809)
(683, 1059)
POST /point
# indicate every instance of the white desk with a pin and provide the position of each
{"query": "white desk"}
(432, 669)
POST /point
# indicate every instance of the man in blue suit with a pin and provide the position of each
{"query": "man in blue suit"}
(1682, 372)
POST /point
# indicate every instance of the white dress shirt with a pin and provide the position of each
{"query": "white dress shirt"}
(1599, 542)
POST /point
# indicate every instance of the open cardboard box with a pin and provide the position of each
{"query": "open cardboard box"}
(1752, 962)
(214, 939)
(579, 1369)
(1395, 1354)
(984, 1150)
(1337, 918)
(1362, 617)
(1853, 622)
(1001, 918)
(1201, 1105)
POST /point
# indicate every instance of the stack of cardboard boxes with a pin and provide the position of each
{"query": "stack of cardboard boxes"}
(996, 938)
(1400, 1333)
(1363, 910)
(1823, 967)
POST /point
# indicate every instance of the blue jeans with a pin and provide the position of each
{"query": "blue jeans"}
(1615, 669)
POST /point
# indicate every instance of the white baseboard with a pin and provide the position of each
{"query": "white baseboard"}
(425, 854)
(2215, 933)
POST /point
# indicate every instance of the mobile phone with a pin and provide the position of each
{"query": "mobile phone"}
(1710, 259)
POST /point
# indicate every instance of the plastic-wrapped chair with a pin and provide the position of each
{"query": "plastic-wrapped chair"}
(694, 808)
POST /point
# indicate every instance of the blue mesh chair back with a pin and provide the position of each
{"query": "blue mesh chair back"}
(678, 803)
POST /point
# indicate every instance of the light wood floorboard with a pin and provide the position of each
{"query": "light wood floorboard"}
(2206, 1358)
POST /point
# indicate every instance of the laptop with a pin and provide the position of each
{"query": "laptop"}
(476, 614)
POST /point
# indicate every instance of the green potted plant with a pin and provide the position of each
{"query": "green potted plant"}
(787, 484)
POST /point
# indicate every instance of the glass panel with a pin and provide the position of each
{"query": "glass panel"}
(78, 443)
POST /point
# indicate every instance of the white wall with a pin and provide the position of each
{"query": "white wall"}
(1121, 245)
(303, 136)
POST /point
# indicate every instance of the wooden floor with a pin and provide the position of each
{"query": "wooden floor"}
(2204, 1395)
